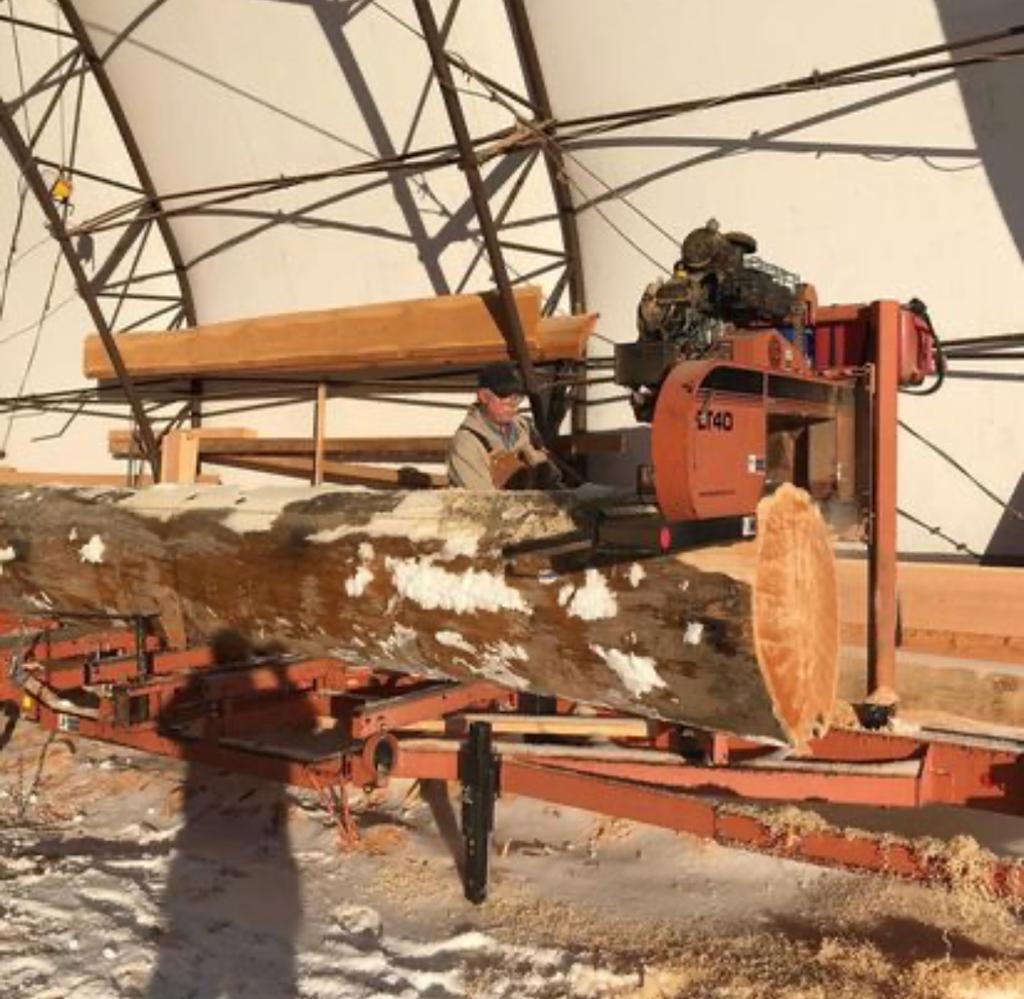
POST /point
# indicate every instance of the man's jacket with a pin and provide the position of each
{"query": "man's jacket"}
(479, 457)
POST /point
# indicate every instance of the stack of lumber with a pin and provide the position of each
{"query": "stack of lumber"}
(424, 336)
(961, 635)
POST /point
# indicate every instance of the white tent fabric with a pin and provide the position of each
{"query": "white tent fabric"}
(909, 187)
(237, 90)
(899, 188)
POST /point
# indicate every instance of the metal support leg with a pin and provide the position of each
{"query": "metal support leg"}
(319, 419)
(478, 772)
(885, 320)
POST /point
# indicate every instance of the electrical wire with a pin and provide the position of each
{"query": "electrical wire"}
(20, 68)
(21, 187)
(963, 471)
(918, 308)
(938, 532)
(13, 248)
(60, 101)
(35, 344)
(29, 327)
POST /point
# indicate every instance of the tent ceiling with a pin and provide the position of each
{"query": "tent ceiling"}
(894, 188)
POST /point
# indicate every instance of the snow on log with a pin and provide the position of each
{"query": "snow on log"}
(425, 582)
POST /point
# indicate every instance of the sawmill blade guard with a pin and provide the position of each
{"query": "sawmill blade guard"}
(724, 434)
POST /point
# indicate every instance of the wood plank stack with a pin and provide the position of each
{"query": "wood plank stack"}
(396, 338)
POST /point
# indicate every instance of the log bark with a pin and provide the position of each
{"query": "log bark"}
(441, 583)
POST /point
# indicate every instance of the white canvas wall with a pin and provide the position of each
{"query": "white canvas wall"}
(904, 188)
(910, 187)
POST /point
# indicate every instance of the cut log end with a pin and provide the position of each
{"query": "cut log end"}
(796, 612)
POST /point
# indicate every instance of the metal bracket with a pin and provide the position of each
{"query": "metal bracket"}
(478, 772)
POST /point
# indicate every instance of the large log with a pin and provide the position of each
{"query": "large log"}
(452, 584)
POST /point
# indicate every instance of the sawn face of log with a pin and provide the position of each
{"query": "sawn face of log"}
(415, 582)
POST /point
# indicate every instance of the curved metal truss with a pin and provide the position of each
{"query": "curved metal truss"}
(111, 284)
(533, 132)
(113, 281)
(99, 74)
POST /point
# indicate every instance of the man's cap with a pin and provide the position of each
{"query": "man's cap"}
(502, 378)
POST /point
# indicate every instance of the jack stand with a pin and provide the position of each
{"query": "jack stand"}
(478, 772)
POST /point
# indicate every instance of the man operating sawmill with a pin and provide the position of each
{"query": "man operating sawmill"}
(496, 448)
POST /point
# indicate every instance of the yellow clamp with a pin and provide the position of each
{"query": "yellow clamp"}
(61, 189)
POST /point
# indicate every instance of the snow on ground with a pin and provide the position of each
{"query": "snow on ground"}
(124, 875)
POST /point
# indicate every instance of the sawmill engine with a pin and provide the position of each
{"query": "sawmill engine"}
(716, 287)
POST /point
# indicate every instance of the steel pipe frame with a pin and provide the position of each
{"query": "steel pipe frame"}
(187, 311)
(29, 169)
(92, 290)
(511, 326)
(21, 150)
(537, 91)
(46, 29)
(99, 73)
(572, 276)
(538, 98)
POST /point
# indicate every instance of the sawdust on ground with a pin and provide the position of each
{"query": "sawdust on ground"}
(855, 937)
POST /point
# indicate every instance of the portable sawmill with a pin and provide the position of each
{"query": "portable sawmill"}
(334, 637)
(748, 382)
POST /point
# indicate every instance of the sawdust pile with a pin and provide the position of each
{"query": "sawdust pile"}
(764, 965)
(409, 882)
(851, 937)
(960, 864)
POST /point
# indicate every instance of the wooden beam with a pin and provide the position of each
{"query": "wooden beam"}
(592, 442)
(319, 420)
(952, 609)
(333, 471)
(452, 331)
(179, 457)
(371, 449)
(574, 725)
(123, 444)
(943, 690)
(18, 477)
